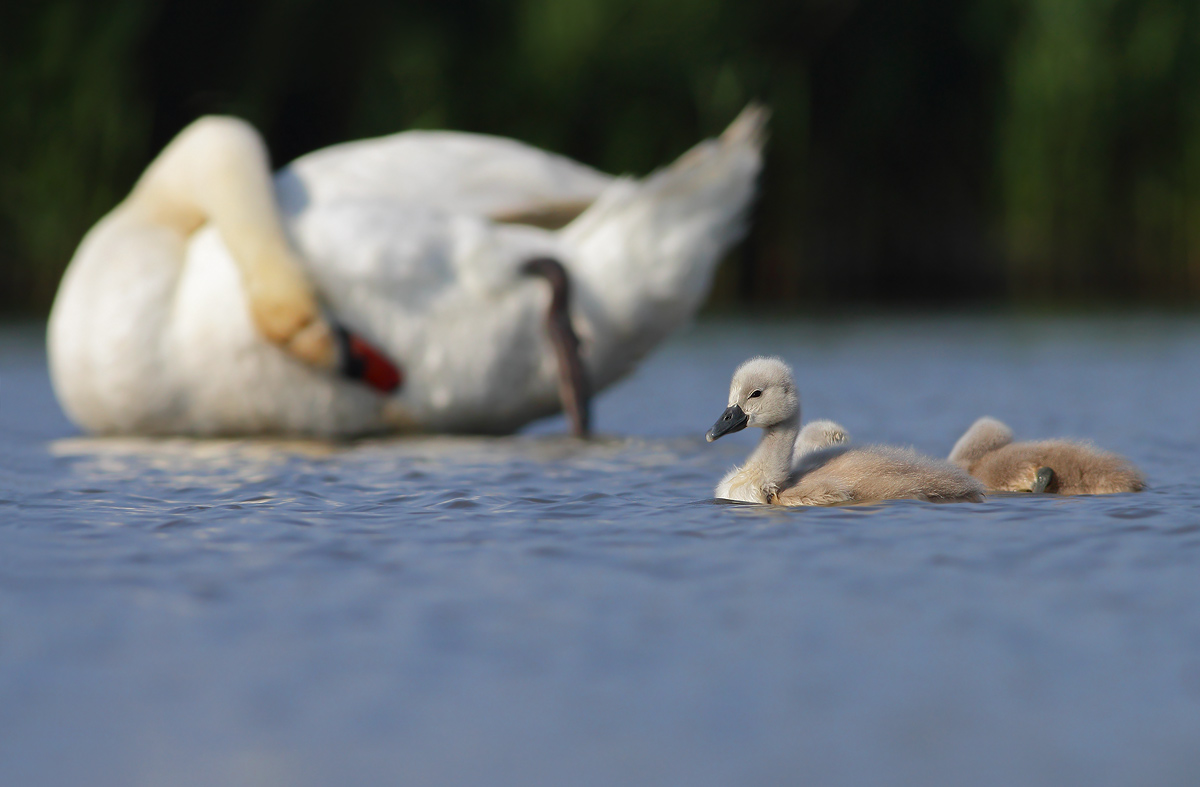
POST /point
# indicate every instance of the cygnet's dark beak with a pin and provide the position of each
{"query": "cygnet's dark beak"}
(732, 420)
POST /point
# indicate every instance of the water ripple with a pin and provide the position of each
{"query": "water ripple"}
(536, 609)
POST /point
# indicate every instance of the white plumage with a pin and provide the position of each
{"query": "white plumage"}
(405, 242)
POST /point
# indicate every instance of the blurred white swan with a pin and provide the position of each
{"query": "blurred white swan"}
(213, 300)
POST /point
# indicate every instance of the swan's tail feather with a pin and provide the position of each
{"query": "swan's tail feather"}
(749, 127)
(648, 249)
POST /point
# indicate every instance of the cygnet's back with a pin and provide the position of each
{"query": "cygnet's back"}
(1066, 467)
(843, 474)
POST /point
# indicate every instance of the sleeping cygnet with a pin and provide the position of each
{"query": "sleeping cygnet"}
(763, 394)
(1066, 467)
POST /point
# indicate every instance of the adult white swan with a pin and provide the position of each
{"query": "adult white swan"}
(215, 301)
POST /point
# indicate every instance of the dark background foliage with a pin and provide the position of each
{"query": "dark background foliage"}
(928, 152)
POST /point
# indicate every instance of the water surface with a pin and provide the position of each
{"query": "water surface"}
(536, 610)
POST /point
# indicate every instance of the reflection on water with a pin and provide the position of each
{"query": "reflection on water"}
(535, 610)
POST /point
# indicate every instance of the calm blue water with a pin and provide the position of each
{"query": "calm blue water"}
(533, 610)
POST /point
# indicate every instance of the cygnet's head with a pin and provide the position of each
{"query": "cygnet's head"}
(762, 393)
(817, 435)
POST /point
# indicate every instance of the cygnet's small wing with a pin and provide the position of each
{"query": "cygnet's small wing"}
(985, 435)
(817, 435)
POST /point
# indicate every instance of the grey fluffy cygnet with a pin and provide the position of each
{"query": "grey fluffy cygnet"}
(763, 394)
(1065, 467)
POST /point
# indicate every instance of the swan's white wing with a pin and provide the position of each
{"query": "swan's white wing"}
(365, 250)
(409, 257)
(465, 173)
(441, 294)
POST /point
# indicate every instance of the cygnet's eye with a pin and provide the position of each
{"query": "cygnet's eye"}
(754, 395)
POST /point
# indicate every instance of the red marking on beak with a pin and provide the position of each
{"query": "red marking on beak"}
(361, 361)
(378, 371)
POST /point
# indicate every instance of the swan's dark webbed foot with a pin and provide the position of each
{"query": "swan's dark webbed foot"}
(573, 387)
(1043, 480)
(360, 360)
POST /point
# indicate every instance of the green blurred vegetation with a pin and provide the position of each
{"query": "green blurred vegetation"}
(928, 151)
